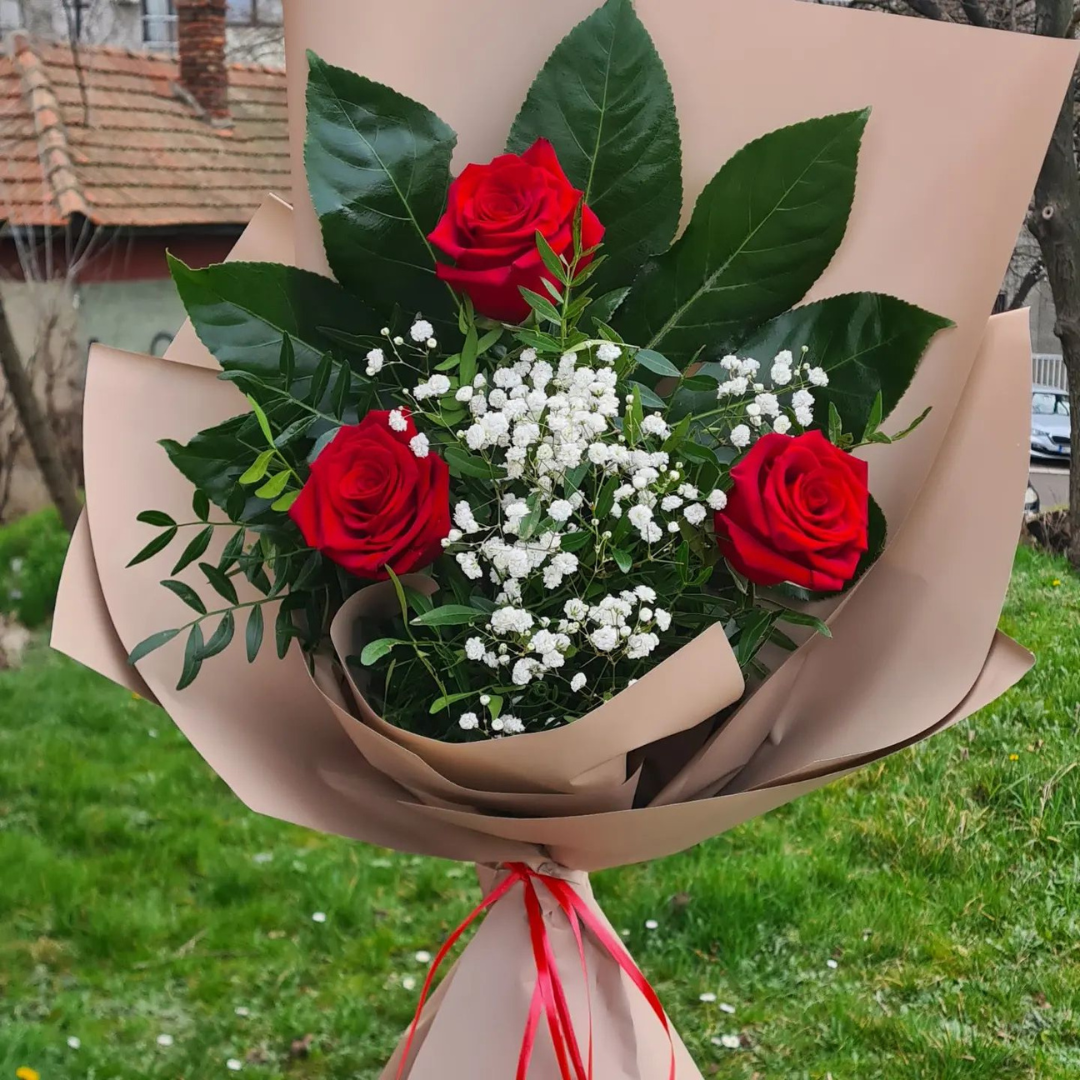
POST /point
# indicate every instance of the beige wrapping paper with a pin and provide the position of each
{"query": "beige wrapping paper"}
(961, 119)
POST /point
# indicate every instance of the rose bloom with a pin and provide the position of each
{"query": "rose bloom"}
(489, 229)
(798, 513)
(370, 502)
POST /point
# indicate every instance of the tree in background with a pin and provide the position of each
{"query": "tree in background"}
(1054, 218)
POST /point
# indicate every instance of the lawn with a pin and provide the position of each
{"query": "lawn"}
(152, 928)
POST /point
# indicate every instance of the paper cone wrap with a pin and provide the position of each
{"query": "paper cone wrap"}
(961, 119)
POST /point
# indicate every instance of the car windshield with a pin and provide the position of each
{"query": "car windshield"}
(1045, 404)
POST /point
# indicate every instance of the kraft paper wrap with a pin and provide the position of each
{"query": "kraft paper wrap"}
(960, 122)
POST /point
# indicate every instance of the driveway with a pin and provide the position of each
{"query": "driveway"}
(1052, 484)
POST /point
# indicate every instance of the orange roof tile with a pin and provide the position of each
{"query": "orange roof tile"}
(107, 133)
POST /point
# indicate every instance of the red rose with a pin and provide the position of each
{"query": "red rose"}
(799, 513)
(489, 229)
(371, 502)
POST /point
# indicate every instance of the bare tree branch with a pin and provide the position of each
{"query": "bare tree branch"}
(1035, 273)
(929, 9)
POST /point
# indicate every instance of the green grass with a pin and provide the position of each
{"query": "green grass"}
(138, 898)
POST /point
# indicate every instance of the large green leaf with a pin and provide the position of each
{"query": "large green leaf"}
(241, 311)
(378, 167)
(604, 102)
(868, 343)
(762, 232)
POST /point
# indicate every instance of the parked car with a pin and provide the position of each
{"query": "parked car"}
(1032, 504)
(1051, 432)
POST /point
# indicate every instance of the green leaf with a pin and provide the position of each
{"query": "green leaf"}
(294, 431)
(287, 360)
(242, 310)
(804, 618)
(158, 544)
(541, 305)
(339, 395)
(374, 651)
(877, 414)
(192, 658)
(232, 551)
(254, 633)
(753, 632)
(604, 307)
(195, 550)
(575, 541)
(219, 582)
(650, 399)
(461, 461)
(274, 486)
(151, 644)
(701, 384)
(836, 425)
(451, 699)
(623, 560)
(320, 380)
(657, 364)
(489, 341)
(284, 504)
(156, 517)
(258, 469)
(378, 168)
(322, 443)
(550, 259)
(448, 615)
(186, 593)
(418, 601)
(868, 344)
(200, 505)
(260, 416)
(762, 232)
(604, 101)
(221, 637)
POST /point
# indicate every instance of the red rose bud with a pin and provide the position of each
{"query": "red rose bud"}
(798, 513)
(489, 229)
(372, 502)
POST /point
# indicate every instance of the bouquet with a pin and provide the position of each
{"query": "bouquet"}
(541, 535)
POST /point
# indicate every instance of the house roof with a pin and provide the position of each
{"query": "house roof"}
(109, 134)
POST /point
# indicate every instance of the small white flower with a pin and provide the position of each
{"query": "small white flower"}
(423, 957)
(640, 516)
(561, 510)
(577, 683)
(375, 361)
(673, 527)
(653, 424)
(470, 566)
(651, 924)
(726, 1008)
(817, 377)
(164, 1040)
(419, 445)
(474, 649)
(644, 592)
(74, 1042)
(728, 1042)
(768, 404)
(576, 610)
(645, 614)
(670, 502)
(468, 721)
(802, 399)
(262, 858)
(740, 436)
(707, 999)
(399, 340)
(832, 964)
(663, 619)
(242, 1010)
(512, 725)
(397, 421)
(717, 499)
(804, 415)
(782, 425)
(605, 639)
(608, 352)
(465, 393)
(234, 1064)
(408, 983)
(421, 330)
(319, 917)
(432, 343)
(695, 514)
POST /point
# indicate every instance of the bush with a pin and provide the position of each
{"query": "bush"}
(32, 552)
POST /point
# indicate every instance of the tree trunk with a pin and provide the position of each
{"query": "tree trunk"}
(1055, 224)
(43, 443)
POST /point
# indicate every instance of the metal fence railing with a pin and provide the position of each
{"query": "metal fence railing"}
(1049, 370)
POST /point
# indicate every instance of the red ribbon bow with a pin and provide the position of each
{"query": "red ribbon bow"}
(549, 996)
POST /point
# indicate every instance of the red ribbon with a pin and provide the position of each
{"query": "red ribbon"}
(549, 995)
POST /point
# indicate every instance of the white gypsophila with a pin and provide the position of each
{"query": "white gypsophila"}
(670, 502)
(662, 619)
(740, 436)
(421, 331)
(509, 620)
(468, 721)
(464, 519)
(653, 424)
(646, 593)
(717, 499)
(608, 352)
(419, 445)
(577, 683)
(802, 399)
(782, 425)
(639, 646)
(768, 403)
(375, 360)
(605, 638)
(470, 567)
(817, 376)
(804, 415)
(397, 420)
(464, 393)
(474, 648)
(511, 725)
(695, 513)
